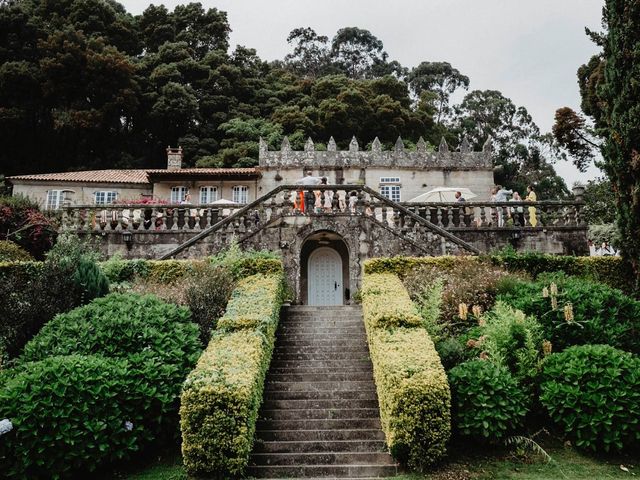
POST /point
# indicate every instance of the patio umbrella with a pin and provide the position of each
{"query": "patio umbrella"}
(444, 194)
(222, 201)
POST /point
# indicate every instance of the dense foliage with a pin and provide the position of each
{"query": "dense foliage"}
(610, 97)
(157, 339)
(574, 311)
(22, 223)
(593, 393)
(410, 380)
(12, 252)
(32, 293)
(487, 402)
(73, 71)
(66, 419)
(222, 395)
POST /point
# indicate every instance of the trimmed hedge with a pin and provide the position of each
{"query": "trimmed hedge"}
(169, 271)
(12, 252)
(222, 395)
(412, 386)
(386, 303)
(611, 271)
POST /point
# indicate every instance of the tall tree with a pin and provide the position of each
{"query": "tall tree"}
(620, 95)
(310, 54)
(440, 78)
(356, 51)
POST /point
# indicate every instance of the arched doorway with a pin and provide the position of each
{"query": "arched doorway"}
(324, 269)
(325, 280)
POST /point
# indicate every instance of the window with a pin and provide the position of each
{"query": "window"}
(208, 194)
(104, 198)
(54, 199)
(178, 194)
(392, 192)
(240, 194)
(389, 179)
(390, 188)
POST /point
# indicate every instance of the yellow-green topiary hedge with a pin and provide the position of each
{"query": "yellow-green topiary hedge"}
(386, 303)
(608, 270)
(413, 391)
(222, 395)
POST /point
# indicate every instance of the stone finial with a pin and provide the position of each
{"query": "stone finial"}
(286, 146)
(353, 146)
(465, 147)
(309, 146)
(444, 146)
(331, 146)
(262, 147)
(399, 146)
(376, 147)
(488, 146)
(421, 146)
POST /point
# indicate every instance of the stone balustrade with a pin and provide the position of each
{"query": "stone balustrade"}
(333, 200)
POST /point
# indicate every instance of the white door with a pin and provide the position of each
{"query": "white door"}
(325, 277)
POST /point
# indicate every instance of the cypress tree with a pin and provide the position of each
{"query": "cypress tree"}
(621, 95)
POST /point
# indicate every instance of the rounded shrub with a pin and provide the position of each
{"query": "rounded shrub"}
(593, 393)
(487, 402)
(69, 415)
(12, 252)
(598, 314)
(157, 339)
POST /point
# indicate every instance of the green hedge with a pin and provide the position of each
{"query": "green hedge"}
(611, 271)
(222, 395)
(386, 302)
(414, 395)
(169, 271)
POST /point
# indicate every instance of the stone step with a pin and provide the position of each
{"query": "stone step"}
(349, 333)
(320, 356)
(277, 370)
(364, 385)
(314, 350)
(334, 364)
(320, 403)
(323, 458)
(322, 337)
(321, 395)
(347, 376)
(308, 446)
(321, 435)
(323, 471)
(320, 424)
(325, 308)
(319, 413)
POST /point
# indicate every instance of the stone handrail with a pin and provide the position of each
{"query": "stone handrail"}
(442, 219)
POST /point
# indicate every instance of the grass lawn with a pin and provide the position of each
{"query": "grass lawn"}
(567, 463)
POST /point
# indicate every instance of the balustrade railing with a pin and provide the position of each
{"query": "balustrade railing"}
(322, 200)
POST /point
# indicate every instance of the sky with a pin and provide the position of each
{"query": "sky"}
(528, 50)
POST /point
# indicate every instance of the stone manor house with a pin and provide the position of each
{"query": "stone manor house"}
(364, 210)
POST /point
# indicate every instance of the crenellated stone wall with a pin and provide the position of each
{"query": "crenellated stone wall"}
(416, 171)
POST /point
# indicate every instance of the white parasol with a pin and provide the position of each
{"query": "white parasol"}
(443, 194)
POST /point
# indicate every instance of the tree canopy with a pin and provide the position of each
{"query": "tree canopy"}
(85, 84)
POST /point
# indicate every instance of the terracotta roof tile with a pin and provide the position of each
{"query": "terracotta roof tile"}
(129, 176)
(90, 176)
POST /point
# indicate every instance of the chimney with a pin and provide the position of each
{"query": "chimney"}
(174, 158)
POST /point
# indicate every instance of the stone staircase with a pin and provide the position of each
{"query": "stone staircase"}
(320, 416)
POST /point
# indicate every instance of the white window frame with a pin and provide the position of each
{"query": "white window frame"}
(240, 194)
(208, 194)
(392, 192)
(104, 197)
(54, 199)
(178, 193)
